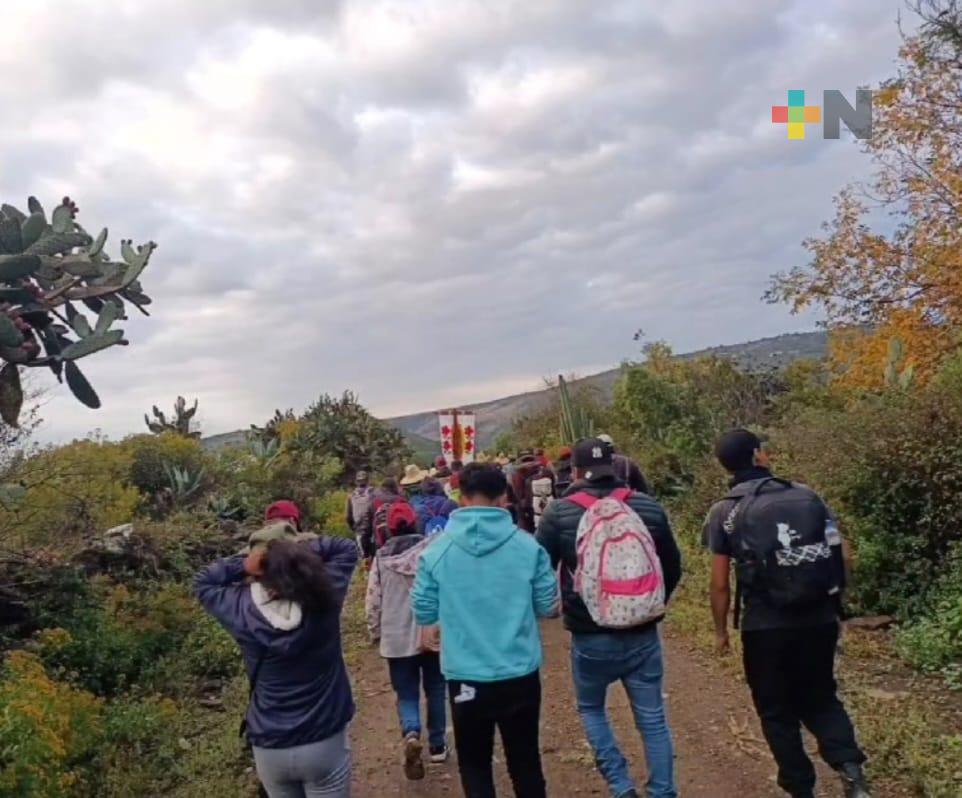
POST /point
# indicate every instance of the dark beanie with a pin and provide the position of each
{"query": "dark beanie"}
(736, 449)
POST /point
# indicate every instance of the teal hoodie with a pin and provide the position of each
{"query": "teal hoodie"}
(486, 583)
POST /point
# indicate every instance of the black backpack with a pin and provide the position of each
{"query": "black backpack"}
(780, 542)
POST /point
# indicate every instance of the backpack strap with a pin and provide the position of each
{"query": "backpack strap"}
(621, 494)
(743, 500)
(583, 499)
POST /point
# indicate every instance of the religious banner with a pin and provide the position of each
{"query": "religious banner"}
(458, 435)
(446, 424)
(468, 436)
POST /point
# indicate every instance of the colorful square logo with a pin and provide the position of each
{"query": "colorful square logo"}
(796, 114)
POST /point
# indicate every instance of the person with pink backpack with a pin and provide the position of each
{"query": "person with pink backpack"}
(619, 564)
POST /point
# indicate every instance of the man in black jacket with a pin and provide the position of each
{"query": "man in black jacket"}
(601, 656)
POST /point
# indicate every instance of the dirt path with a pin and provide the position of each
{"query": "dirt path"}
(719, 751)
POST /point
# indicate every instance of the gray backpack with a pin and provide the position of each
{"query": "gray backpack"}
(362, 500)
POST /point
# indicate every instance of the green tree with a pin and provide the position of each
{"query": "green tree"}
(669, 410)
(342, 427)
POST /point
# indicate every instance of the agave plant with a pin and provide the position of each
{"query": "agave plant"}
(182, 485)
(575, 421)
(265, 450)
(47, 268)
(178, 423)
(224, 509)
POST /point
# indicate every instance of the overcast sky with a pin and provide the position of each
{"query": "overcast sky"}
(426, 202)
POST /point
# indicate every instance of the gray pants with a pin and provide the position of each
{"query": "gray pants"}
(316, 770)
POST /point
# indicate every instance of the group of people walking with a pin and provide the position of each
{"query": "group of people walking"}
(463, 563)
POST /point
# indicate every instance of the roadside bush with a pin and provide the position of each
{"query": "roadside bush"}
(670, 411)
(72, 492)
(934, 643)
(115, 646)
(149, 454)
(207, 651)
(140, 749)
(250, 483)
(329, 512)
(48, 730)
(891, 465)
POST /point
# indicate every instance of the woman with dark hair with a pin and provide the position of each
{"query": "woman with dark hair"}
(282, 604)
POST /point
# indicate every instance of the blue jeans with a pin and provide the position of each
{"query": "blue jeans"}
(634, 659)
(407, 676)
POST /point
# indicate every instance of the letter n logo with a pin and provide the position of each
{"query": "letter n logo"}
(836, 109)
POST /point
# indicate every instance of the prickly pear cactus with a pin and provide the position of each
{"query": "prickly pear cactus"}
(178, 423)
(48, 269)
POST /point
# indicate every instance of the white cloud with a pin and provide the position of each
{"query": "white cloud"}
(427, 201)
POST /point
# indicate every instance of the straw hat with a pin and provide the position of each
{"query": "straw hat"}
(412, 476)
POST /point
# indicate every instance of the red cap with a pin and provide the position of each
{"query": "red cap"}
(440, 462)
(283, 511)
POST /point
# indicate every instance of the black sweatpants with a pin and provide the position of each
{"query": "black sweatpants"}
(514, 707)
(791, 673)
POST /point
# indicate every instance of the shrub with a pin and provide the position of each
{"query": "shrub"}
(140, 750)
(891, 465)
(150, 453)
(112, 647)
(72, 492)
(207, 651)
(251, 483)
(671, 411)
(329, 511)
(934, 643)
(47, 731)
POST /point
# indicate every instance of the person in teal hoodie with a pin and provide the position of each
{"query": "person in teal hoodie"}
(486, 583)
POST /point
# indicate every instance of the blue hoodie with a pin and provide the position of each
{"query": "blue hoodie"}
(485, 582)
(302, 693)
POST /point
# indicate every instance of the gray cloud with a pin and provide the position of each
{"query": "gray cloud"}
(428, 201)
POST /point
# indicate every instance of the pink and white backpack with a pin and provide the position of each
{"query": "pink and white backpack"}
(619, 575)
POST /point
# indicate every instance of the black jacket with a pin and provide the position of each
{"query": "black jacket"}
(559, 528)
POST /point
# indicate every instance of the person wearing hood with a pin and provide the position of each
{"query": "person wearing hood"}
(411, 651)
(527, 466)
(282, 604)
(486, 584)
(432, 505)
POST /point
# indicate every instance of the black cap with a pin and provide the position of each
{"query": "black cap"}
(736, 449)
(593, 456)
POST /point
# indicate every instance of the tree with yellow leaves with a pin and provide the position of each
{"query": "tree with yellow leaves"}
(904, 283)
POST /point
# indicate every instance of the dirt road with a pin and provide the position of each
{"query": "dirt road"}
(719, 750)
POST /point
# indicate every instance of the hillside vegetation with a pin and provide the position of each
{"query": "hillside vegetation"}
(495, 416)
(115, 684)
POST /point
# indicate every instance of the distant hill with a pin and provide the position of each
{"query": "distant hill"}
(495, 416)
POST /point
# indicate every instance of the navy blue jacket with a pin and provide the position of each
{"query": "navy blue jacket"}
(302, 694)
